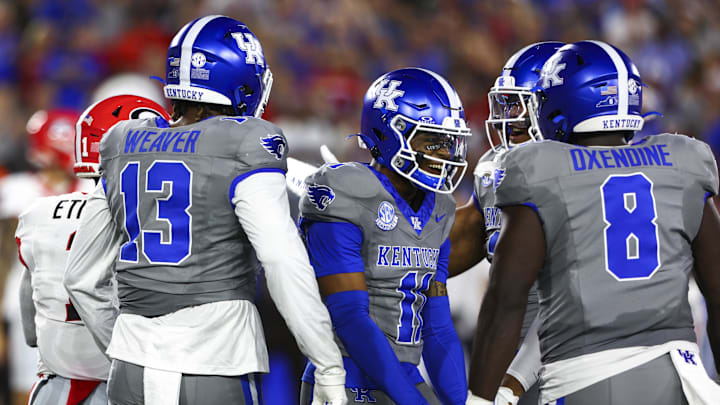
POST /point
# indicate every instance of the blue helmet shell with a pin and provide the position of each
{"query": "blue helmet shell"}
(401, 103)
(218, 60)
(588, 86)
(515, 84)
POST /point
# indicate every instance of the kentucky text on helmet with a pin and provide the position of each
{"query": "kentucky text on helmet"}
(185, 94)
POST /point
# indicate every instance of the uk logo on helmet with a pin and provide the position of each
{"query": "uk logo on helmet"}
(275, 144)
(386, 96)
(320, 196)
(251, 46)
(550, 74)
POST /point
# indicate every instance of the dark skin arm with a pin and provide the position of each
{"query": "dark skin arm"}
(519, 255)
(335, 283)
(467, 239)
(707, 272)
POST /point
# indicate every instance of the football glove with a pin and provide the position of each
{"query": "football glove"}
(329, 395)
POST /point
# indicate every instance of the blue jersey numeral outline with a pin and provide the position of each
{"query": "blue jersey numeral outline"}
(627, 225)
(158, 247)
(409, 328)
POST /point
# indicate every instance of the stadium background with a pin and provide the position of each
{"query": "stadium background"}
(324, 54)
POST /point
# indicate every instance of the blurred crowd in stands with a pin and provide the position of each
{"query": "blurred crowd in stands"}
(324, 54)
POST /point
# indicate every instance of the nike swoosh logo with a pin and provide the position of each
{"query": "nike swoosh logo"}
(439, 218)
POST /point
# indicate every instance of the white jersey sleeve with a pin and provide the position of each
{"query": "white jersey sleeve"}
(261, 205)
(89, 269)
(27, 309)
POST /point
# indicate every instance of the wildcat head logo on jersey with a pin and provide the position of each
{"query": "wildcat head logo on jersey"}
(320, 196)
(386, 219)
(498, 177)
(275, 145)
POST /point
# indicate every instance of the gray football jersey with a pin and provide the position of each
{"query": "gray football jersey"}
(400, 248)
(170, 191)
(484, 195)
(618, 224)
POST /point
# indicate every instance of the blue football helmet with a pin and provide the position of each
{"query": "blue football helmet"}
(218, 60)
(509, 99)
(588, 86)
(408, 116)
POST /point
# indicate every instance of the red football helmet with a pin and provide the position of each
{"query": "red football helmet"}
(100, 117)
(51, 138)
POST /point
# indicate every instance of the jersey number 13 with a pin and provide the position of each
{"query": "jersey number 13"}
(171, 206)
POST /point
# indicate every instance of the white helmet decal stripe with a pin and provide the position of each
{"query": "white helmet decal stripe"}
(187, 45)
(450, 93)
(513, 59)
(622, 81)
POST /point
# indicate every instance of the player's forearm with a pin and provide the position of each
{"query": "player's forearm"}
(89, 268)
(526, 364)
(713, 331)
(369, 348)
(496, 337)
(27, 309)
(467, 238)
(293, 288)
(442, 351)
(261, 206)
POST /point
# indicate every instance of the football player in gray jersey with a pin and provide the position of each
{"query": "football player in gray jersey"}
(611, 230)
(477, 224)
(186, 215)
(377, 235)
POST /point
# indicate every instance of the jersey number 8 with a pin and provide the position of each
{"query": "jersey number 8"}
(632, 248)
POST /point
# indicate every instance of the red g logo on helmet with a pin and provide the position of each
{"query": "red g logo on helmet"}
(98, 119)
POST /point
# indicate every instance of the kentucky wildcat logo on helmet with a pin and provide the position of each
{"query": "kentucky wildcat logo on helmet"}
(98, 119)
(588, 86)
(401, 106)
(511, 117)
(218, 60)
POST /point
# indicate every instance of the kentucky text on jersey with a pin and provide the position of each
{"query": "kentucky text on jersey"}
(492, 217)
(157, 141)
(407, 256)
(588, 159)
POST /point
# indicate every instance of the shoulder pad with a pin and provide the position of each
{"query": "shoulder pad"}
(335, 192)
(261, 142)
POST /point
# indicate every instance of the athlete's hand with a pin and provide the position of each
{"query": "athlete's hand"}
(329, 394)
(473, 399)
(327, 155)
(505, 396)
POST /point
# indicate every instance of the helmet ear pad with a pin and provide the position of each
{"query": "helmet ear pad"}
(560, 122)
